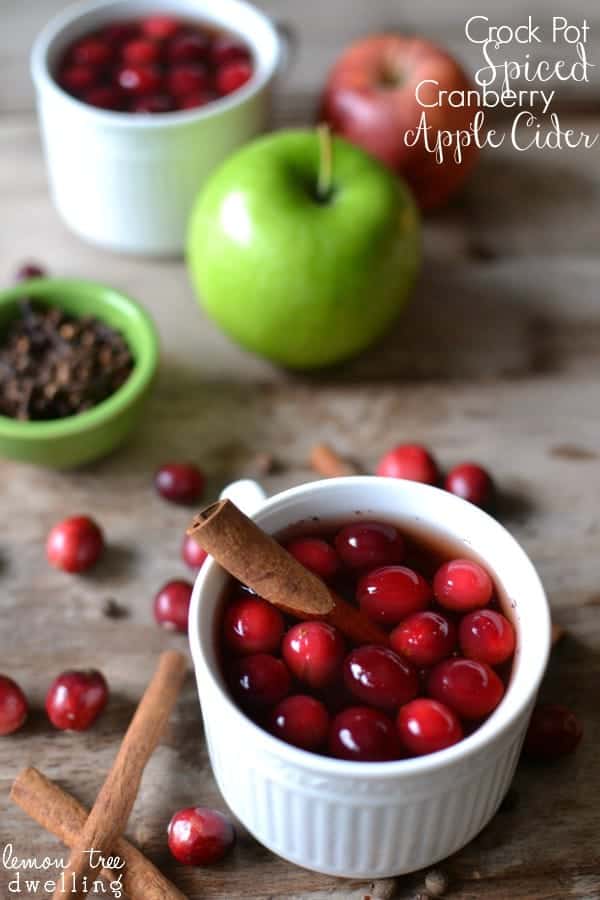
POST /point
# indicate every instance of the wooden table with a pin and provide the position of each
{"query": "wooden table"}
(497, 360)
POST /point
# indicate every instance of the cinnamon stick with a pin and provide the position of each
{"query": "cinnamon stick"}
(62, 815)
(110, 814)
(257, 560)
(328, 462)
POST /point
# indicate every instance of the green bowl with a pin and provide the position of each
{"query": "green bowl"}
(74, 440)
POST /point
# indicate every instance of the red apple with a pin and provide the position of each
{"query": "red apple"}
(370, 99)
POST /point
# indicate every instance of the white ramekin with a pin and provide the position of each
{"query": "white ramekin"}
(127, 182)
(369, 820)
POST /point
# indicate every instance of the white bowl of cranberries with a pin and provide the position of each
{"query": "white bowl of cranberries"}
(138, 101)
(368, 761)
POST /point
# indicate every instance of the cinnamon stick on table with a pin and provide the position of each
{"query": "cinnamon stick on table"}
(62, 815)
(110, 814)
(258, 561)
(328, 462)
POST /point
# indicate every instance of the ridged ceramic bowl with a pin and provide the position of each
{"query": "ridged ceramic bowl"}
(369, 820)
(75, 440)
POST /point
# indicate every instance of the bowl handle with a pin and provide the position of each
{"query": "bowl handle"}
(288, 45)
(247, 495)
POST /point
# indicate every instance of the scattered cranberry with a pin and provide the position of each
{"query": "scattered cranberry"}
(14, 708)
(553, 731)
(92, 52)
(426, 726)
(104, 97)
(192, 46)
(154, 103)
(391, 593)
(227, 49)
(140, 52)
(487, 636)
(28, 271)
(187, 78)
(424, 638)
(364, 544)
(462, 585)
(472, 689)
(363, 734)
(379, 677)
(260, 680)
(192, 553)
(172, 605)
(315, 554)
(199, 836)
(76, 699)
(140, 79)
(472, 483)
(180, 482)
(160, 27)
(314, 652)
(252, 625)
(74, 544)
(302, 721)
(232, 77)
(410, 461)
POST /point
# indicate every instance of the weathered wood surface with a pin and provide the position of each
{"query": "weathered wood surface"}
(498, 359)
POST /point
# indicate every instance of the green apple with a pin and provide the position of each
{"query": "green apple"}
(303, 248)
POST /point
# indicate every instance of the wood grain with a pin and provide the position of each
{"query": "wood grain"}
(497, 360)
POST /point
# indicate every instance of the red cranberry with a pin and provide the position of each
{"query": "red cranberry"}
(314, 651)
(389, 594)
(226, 49)
(462, 585)
(232, 77)
(14, 708)
(425, 638)
(426, 726)
(154, 103)
(553, 731)
(410, 461)
(487, 636)
(199, 836)
(76, 699)
(161, 28)
(187, 78)
(172, 605)
(468, 687)
(105, 97)
(74, 544)
(192, 46)
(192, 553)
(363, 734)
(119, 33)
(92, 51)
(302, 721)
(379, 677)
(140, 79)
(194, 100)
(77, 78)
(260, 680)
(472, 483)
(363, 544)
(180, 482)
(252, 625)
(315, 554)
(28, 271)
(140, 52)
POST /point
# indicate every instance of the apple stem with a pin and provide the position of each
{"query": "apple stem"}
(324, 183)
